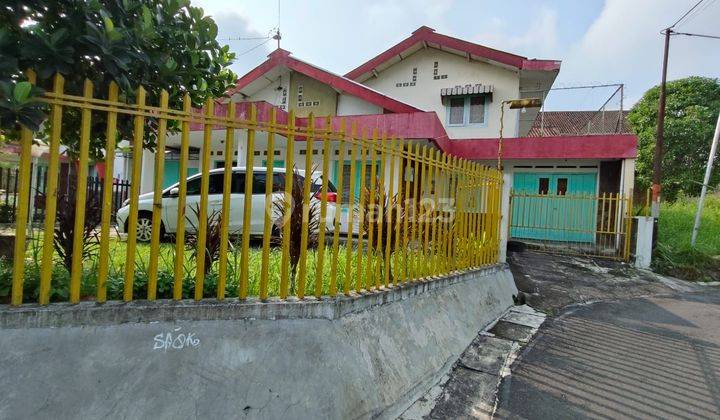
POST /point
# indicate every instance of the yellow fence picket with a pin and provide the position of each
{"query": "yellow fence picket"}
(23, 209)
(179, 268)
(416, 212)
(157, 198)
(225, 212)
(137, 152)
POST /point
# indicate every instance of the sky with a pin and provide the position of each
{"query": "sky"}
(599, 42)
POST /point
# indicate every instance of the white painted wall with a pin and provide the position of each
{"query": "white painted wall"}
(643, 244)
(505, 215)
(628, 177)
(351, 105)
(274, 93)
(147, 176)
(426, 92)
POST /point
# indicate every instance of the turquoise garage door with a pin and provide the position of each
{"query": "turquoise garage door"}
(554, 206)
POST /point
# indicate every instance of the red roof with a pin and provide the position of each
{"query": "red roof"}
(606, 146)
(428, 35)
(280, 57)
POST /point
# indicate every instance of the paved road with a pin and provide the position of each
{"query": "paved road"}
(653, 357)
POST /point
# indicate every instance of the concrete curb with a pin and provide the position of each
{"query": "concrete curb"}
(366, 356)
(162, 310)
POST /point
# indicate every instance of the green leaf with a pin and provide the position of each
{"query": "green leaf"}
(22, 91)
(109, 26)
(170, 64)
(146, 17)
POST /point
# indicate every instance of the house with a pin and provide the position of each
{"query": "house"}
(433, 89)
(563, 123)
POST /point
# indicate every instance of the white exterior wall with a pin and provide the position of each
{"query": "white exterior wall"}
(350, 105)
(628, 177)
(426, 92)
(147, 176)
(274, 93)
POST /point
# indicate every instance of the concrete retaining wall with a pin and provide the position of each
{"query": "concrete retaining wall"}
(367, 356)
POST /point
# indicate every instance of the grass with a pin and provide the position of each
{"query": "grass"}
(674, 256)
(117, 256)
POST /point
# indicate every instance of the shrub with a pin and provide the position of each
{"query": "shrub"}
(295, 219)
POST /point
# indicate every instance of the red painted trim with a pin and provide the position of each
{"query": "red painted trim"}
(609, 146)
(253, 74)
(426, 125)
(242, 111)
(415, 125)
(349, 86)
(428, 35)
(282, 57)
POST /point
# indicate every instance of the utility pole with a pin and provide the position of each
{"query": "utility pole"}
(706, 181)
(657, 161)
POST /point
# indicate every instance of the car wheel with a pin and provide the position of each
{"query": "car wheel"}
(144, 228)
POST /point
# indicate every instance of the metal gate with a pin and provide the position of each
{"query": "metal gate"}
(573, 223)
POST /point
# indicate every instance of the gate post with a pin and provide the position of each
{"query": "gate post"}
(643, 241)
(505, 215)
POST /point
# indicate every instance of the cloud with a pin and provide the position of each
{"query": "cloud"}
(540, 39)
(250, 53)
(624, 45)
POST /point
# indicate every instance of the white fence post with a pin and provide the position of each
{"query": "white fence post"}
(643, 241)
(505, 215)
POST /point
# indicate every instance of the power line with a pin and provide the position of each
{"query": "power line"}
(699, 11)
(686, 13)
(587, 86)
(239, 38)
(697, 35)
(253, 48)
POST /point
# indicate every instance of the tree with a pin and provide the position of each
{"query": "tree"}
(692, 110)
(159, 44)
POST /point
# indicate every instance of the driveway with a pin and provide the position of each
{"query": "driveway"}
(631, 345)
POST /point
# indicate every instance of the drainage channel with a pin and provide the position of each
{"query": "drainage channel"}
(470, 388)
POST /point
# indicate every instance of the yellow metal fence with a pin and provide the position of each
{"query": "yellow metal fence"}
(416, 215)
(573, 223)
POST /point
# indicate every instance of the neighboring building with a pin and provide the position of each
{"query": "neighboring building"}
(437, 90)
(564, 123)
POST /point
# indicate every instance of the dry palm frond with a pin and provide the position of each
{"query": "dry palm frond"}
(295, 219)
(213, 237)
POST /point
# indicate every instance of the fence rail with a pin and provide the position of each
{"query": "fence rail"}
(413, 212)
(9, 192)
(574, 223)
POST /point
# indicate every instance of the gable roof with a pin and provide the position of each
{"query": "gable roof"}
(280, 57)
(558, 123)
(428, 37)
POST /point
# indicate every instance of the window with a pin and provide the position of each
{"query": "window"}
(457, 111)
(346, 180)
(464, 110)
(346, 184)
(477, 110)
(215, 186)
(562, 186)
(193, 186)
(543, 186)
(216, 183)
(258, 187)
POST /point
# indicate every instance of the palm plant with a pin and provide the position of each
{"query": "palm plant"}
(295, 218)
(65, 228)
(213, 237)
